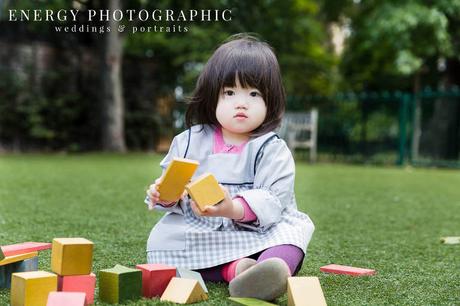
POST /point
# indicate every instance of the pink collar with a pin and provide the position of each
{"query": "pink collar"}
(221, 147)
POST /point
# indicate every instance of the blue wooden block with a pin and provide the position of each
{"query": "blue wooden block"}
(21, 266)
(185, 273)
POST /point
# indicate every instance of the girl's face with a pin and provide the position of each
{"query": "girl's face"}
(240, 110)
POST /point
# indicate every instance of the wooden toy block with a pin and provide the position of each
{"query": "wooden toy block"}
(66, 299)
(119, 284)
(32, 288)
(21, 266)
(250, 302)
(339, 269)
(205, 190)
(176, 176)
(26, 247)
(71, 256)
(184, 291)
(155, 278)
(305, 291)
(79, 283)
(16, 258)
(2, 255)
(185, 273)
(450, 240)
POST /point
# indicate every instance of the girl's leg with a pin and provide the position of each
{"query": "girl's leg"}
(292, 255)
(226, 272)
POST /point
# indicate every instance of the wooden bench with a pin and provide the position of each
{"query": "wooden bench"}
(300, 130)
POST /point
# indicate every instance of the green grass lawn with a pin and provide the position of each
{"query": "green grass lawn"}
(389, 219)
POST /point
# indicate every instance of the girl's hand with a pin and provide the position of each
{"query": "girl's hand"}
(154, 196)
(226, 208)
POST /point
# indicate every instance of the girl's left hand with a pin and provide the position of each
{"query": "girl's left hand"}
(226, 208)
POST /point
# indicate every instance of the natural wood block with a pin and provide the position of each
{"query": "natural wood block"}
(66, 299)
(119, 284)
(305, 291)
(176, 176)
(155, 278)
(450, 240)
(79, 283)
(16, 258)
(184, 291)
(185, 273)
(205, 190)
(32, 288)
(339, 269)
(26, 247)
(21, 266)
(250, 302)
(71, 256)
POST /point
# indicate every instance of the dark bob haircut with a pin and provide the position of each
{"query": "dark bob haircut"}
(255, 64)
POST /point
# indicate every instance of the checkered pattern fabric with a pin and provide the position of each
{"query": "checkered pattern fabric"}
(212, 241)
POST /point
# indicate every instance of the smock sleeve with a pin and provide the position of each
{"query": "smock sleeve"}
(174, 151)
(273, 185)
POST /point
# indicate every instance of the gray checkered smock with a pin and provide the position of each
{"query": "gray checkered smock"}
(263, 174)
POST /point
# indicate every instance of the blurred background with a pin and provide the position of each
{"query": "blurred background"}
(383, 75)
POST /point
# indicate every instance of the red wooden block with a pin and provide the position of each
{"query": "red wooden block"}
(338, 269)
(26, 247)
(79, 283)
(66, 298)
(155, 278)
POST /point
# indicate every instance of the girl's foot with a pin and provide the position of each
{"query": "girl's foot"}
(266, 280)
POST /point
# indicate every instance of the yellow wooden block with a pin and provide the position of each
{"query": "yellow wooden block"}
(205, 190)
(305, 291)
(71, 256)
(16, 258)
(184, 291)
(32, 288)
(178, 173)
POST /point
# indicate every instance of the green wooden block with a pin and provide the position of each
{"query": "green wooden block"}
(250, 302)
(185, 273)
(20, 266)
(119, 284)
(450, 240)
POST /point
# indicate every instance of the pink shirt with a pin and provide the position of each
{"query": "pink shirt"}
(221, 147)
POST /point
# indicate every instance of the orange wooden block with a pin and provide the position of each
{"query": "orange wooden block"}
(32, 288)
(79, 283)
(184, 291)
(16, 258)
(71, 256)
(66, 299)
(178, 173)
(26, 247)
(205, 190)
(339, 269)
(305, 291)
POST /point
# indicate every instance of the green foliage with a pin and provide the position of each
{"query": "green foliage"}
(391, 40)
(382, 218)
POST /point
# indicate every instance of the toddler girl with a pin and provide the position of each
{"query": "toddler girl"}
(255, 238)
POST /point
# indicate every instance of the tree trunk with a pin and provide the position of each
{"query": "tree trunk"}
(112, 89)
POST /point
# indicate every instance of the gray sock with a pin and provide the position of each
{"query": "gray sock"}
(266, 280)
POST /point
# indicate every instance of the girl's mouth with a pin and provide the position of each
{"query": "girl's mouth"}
(240, 115)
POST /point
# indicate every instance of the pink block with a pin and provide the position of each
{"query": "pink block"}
(155, 278)
(79, 283)
(26, 247)
(338, 269)
(66, 298)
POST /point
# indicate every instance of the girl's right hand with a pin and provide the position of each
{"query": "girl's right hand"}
(154, 196)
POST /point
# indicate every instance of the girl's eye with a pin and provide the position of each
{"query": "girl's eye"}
(229, 92)
(255, 94)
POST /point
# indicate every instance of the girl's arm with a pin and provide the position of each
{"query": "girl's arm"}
(273, 185)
